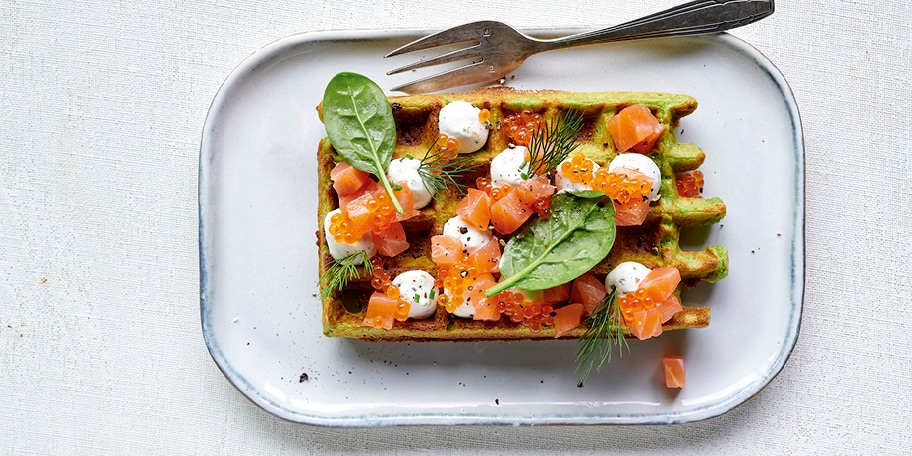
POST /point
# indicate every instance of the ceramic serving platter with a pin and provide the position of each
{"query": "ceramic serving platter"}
(258, 256)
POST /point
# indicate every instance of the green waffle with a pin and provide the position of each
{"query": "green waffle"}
(654, 244)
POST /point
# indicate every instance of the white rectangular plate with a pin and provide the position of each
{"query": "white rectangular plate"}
(258, 256)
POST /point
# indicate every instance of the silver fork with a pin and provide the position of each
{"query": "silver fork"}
(495, 49)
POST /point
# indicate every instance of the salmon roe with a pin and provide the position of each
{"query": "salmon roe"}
(384, 213)
(620, 187)
(400, 314)
(446, 146)
(496, 193)
(460, 277)
(578, 169)
(382, 283)
(520, 126)
(456, 279)
(617, 186)
(533, 315)
(381, 214)
(636, 301)
(340, 228)
(690, 184)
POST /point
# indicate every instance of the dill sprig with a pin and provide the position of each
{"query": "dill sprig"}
(604, 332)
(552, 142)
(343, 270)
(440, 170)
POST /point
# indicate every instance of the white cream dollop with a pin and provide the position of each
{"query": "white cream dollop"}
(466, 309)
(417, 284)
(642, 164)
(509, 166)
(626, 277)
(340, 250)
(564, 184)
(405, 169)
(459, 120)
(472, 238)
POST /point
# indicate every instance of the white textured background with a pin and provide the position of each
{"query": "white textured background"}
(101, 109)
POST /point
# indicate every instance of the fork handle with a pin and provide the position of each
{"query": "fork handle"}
(693, 18)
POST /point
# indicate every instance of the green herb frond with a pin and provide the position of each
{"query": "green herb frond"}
(552, 142)
(604, 333)
(440, 172)
(344, 270)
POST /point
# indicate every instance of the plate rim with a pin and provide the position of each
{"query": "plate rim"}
(689, 415)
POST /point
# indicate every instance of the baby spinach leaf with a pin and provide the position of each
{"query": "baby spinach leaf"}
(547, 253)
(587, 193)
(359, 123)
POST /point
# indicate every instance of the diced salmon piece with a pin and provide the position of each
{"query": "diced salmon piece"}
(669, 307)
(360, 217)
(487, 258)
(635, 210)
(509, 213)
(588, 291)
(348, 180)
(675, 376)
(475, 208)
(370, 187)
(635, 127)
(406, 200)
(445, 250)
(381, 311)
(553, 295)
(646, 325)
(534, 189)
(632, 213)
(485, 309)
(567, 318)
(660, 283)
(391, 240)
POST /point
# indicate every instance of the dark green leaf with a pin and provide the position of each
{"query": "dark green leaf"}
(578, 235)
(359, 123)
(587, 193)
